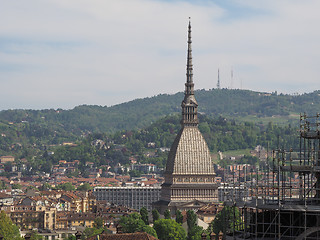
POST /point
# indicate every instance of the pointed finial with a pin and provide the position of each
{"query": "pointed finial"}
(189, 104)
(189, 56)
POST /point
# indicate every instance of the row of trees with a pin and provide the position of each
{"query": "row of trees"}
(226, 221)
(166, 228)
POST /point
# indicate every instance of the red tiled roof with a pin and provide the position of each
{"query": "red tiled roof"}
(4, 195)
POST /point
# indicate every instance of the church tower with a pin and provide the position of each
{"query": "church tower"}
(189, 175)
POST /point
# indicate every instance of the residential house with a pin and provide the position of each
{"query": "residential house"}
(6, 199)
(74, 201)
(208, 213)
(6, 159)
(31, 217)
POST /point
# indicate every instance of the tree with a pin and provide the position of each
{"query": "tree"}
(84, 187)
(71, 237)
(8, 167)
(35, 236)
(144, 215)
(16, 186)
(204, 127)
(131, 223)
(135, 173)
(66, 186)
(151, 231)
(167, 214)
(134, 223)
(3, 185)
(89, 232)
(45, 186)
(46, 167)
(227, 220)
(8, 230)
(155, 215)
(98, 223)
(191, 219)
(168, 229)
(179, 217)
(194, 231)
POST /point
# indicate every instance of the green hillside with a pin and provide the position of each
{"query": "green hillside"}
(239, 104)
(110, 149)
(229, 120)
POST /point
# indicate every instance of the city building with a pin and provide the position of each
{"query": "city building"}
(132, 197)
(189, 173)
(6, 159)
(5, 199)
(144, 167)
(209, 212)
(33, 217)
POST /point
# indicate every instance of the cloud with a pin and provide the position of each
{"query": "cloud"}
(65, 53)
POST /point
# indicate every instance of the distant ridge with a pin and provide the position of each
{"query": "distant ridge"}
(140, 113)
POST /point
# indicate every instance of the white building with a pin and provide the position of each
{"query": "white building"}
(132, 197)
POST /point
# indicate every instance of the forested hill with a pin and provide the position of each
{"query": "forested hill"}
(140, 113)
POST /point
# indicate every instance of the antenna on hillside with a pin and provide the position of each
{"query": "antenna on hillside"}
(231, 78)
(218, 83)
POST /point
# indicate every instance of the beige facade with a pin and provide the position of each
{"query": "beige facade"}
(209, 212)
(30, 217)
(78, 203)
(40, 212)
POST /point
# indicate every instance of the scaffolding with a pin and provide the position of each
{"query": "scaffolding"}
(282, 195)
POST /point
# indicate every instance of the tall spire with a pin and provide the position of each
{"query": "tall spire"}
(189, 57)
(189, 104)
(189, 173)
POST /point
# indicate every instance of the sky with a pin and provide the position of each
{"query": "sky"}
(61, 54)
